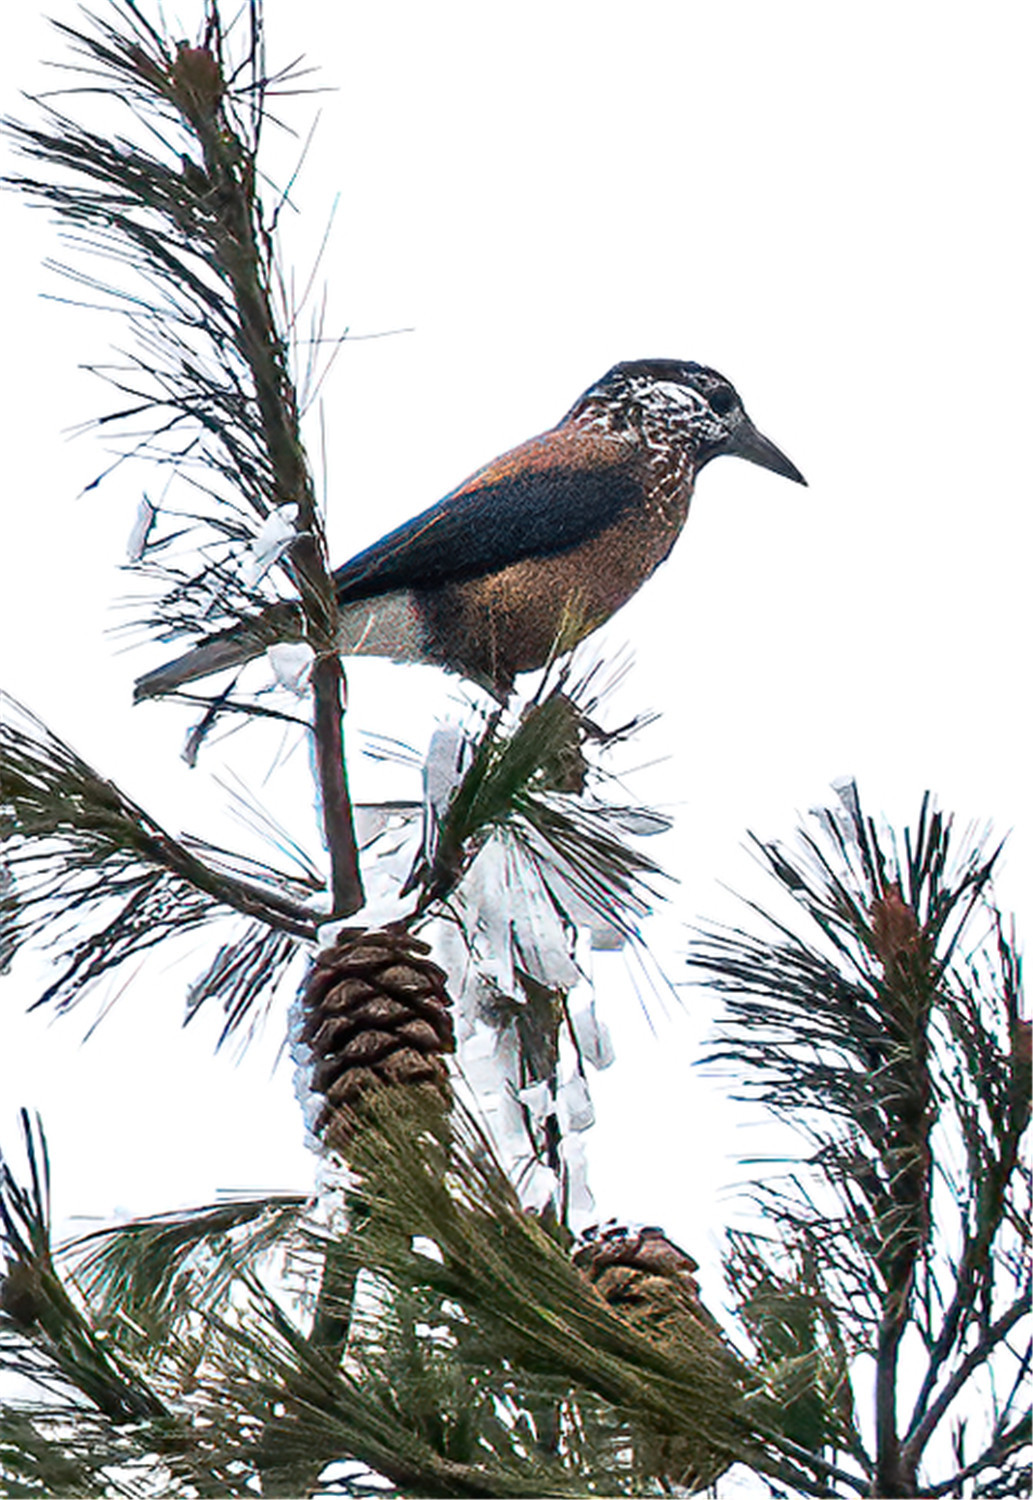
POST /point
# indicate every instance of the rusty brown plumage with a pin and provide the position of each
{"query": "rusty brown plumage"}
(536, 549)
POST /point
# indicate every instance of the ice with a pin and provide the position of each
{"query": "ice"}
(421, 1245)
(448, 756)
(642, 822)
(542, 939)
(605, 935)
(606, 938)
(537, 1100)
(270, 542)
(576, 1110)
(537, 1187)
(450, 950)
(146, 514)
(291, 662)
(580, 1202)
(482, 1063)
(484, 891)
(593, 1037)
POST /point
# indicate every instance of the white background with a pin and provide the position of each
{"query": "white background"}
(827, 203)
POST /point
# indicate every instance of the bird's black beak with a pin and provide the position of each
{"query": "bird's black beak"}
(747, 442)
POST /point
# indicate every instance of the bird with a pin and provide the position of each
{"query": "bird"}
(536, 549)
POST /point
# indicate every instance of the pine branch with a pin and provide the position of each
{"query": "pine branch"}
(884, 1042)
(77, 848)
(518, 785)
(994, 1080)
(33, 1297)
(974, 1360)
(808, 1461)
(497, 1320)
(521, 1289)
(190, 223)
(150, 1270)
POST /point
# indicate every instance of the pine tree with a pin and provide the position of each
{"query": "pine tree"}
(428, 1317)
(885, 1023)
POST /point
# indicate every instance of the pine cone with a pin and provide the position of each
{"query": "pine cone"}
(196, 80)
(643, 1276)
(377, 1017)
(896, 934)
(648, 1280)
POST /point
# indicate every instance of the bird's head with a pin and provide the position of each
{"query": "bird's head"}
(673, 401)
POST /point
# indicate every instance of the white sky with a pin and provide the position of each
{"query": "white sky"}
(827, 203)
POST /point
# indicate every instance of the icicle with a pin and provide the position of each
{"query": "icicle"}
(448, 758)
(484, 893)
(429, 1248)
(845, 788)
(580, 1202)
(538, 1187)
(481, 1063)
(593, 1037)
(642, 822)
(575, 1108)
(542, 940)
(452, 953)
(605, 935)
(489, 1063)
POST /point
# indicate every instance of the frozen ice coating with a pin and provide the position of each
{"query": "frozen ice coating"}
(643, 822)
(146, 514)
(271, 541)
(421, 1245)
(541, 939)
(532, 932)
(580, 1201)
(537, 1100)
(448, 756)
(492, 938)
(538, 1186)
(605, 937)
(480, 1063)
(593, 1037)
(576, 1110)
(291, 663)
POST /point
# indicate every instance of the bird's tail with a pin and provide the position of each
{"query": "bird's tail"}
(388, 625)
(232, 648)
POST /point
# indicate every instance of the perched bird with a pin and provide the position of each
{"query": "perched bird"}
(535, 550)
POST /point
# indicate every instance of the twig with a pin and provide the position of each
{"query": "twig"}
(966, 1285)
(1000, 1448)
(973, 1359)
(813, 1461)
(245, 256)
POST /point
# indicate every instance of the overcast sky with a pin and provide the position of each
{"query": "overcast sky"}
(828, 204)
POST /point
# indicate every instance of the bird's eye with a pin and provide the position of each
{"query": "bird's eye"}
(722, 401)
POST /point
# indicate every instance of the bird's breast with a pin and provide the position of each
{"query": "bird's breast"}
(513, 620)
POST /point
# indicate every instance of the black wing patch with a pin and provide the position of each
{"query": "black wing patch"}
(484, 527)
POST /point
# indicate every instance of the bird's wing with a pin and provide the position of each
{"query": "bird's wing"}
(546, 496)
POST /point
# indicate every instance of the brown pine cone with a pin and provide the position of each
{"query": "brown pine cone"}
(377, 1017)
(196, 81)
(896, 934)
(643, 1276)
(649, 1281)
